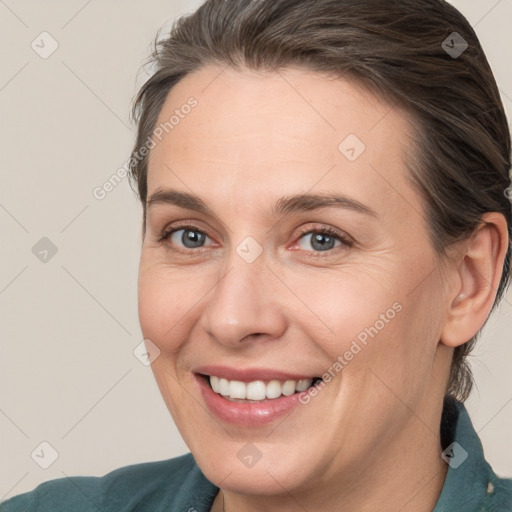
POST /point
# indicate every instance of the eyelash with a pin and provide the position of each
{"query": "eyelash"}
(322, 230)
(164, 236)
(329, 231)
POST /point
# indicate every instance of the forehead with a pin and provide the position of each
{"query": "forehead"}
(250, 133)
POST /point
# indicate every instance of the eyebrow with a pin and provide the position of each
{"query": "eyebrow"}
(283, 206)
(181, 199)
(308, 202)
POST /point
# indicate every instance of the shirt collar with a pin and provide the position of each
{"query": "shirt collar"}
(469, 476)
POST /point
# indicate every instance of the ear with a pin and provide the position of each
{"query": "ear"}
(479, 270)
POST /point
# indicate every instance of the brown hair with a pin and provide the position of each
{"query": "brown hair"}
(405, 50)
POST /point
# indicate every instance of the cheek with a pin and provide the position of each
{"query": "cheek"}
(402, 355)
(347, 306)
(374, 323)
(168, 301)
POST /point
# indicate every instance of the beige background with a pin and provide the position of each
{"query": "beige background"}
(69, 326)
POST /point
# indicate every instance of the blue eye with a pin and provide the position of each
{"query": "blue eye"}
(320, 241)
(187, 237)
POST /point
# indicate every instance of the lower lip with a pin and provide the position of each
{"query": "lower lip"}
(246, 414)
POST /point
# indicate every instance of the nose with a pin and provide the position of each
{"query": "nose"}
(244, 305)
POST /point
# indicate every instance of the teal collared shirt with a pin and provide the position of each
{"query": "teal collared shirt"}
(470, 485)
(178, 485)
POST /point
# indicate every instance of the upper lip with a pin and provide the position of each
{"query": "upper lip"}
(249, 374)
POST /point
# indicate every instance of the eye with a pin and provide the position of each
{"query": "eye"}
(321, 240)
(186, 237)
(190, 238)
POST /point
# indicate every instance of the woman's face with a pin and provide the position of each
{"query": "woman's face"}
(295, 248)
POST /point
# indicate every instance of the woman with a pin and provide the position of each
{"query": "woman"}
(326, 228)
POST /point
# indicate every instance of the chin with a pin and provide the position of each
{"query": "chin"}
(268, 475)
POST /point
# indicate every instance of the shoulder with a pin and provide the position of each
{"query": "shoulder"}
(500, 495)
(176, 483)
(471, 485)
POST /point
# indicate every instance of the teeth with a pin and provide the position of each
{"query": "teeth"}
(273, 389)
(224, 387)
(237, 389)
(257, 390)
(288, 388)
(214, 382)
(303, 384)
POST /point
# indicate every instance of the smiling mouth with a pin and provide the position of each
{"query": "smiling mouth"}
(257, 391)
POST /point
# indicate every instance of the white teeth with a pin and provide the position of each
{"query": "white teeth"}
(257, 390)
(237, 389)
(303, 384)
(288, 388)
(273, 389)
(224, 387)
(214, 381)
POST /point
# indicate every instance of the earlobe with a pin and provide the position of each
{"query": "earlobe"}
(479, 274)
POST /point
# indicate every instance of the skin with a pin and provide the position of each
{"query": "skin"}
(370, 439)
